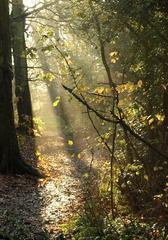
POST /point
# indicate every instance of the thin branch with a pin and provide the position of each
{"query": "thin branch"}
(118, 120)
(88, 106)
(26, 14)
(98, 133)
(102, 48)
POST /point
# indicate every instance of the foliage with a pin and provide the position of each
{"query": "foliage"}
(118, 229)
(112, 57)
(131, 39)
(15, 230)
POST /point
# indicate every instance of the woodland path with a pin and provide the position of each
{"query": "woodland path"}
(31, 206)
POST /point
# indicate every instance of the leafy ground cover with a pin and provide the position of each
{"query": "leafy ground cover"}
(34, 209)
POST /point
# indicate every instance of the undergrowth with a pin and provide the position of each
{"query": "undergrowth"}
(118, 229)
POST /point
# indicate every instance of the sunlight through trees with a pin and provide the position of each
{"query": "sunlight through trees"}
(84, 119)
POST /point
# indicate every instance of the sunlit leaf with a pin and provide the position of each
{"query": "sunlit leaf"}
(146, 177)
(114, 57)
(160, 117)
(37, 153)
(86, 175)
(70, 142)
(151, 120)
(140, 83)
(56, 102)
(100, 90)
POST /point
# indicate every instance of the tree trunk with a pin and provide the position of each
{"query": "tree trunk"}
(165, 122)
(24, 108)
(10, 158)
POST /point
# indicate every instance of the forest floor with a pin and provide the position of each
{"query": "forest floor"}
(29, 208)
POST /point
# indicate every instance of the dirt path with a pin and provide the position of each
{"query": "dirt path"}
(62, 190)
(29, 207)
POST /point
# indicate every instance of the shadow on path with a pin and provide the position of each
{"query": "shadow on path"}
(68, 132)
(21, 201)
(83, 172)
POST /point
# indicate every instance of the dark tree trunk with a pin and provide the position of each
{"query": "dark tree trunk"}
(10, 158)
(22, 90)
(165, 122)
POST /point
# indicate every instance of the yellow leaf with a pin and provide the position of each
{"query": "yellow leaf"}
(146, 177)
(160, 117)
(48, 76)
(55, 104)
(129, 86)
(151, 121)
(114, 57)
(70, 142)
(100, 90)
(86, 175)
(37, 153)
(120, 88)
(113, 60)
(140, 83)
(106, 136)
(108, 90)
(57, 101)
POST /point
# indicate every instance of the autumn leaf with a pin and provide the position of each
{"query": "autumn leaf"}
(70, 142)
(151, 121)
(146, 177)
(140, 83)
(160, 117)
(99, 90)
(56, 102)
(114, 57)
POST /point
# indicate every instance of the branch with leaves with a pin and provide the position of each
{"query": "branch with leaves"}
(118, 120)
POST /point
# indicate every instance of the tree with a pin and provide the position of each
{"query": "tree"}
(133, 36)
(24, 108)
(10, 157)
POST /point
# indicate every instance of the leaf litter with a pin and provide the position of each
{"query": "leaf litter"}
(31, 208)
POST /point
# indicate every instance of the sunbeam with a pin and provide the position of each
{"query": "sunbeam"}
(30, 3)
(83, 119)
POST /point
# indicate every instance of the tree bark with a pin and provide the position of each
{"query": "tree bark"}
(165, 122)
(22, 91)
(10, 158)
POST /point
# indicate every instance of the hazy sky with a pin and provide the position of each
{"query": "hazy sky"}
(30, 3)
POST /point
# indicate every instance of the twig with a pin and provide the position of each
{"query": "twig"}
(118, 120)
(88, 106)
